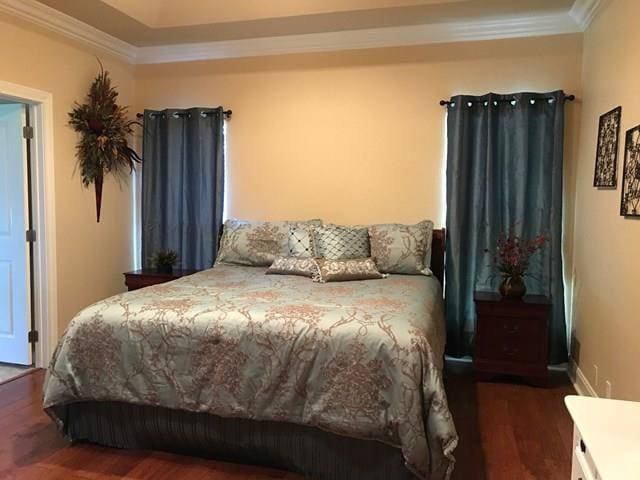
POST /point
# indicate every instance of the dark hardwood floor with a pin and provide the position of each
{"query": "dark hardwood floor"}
(507, 431)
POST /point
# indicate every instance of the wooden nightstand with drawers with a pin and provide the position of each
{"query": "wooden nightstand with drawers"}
(146, 277)
(512, 336)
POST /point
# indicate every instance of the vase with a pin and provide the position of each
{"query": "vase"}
(512, 287)
(97, 184)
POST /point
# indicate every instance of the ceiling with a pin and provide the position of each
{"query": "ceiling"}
(168, 22)
(153, 31)
(168, 13)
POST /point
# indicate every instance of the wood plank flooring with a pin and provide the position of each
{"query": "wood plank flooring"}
(507, 431)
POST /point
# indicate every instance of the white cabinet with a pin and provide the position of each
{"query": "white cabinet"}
(606, 439)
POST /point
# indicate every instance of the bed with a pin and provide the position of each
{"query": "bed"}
(333, 381)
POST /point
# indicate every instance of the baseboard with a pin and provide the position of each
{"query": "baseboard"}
(458, 359)
(580, 381)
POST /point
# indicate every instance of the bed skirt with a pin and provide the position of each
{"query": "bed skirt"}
(308, 451)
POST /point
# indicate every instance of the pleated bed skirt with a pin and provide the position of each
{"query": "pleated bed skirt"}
(311, 452)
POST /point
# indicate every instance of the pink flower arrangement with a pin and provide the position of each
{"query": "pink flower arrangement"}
(514, 252)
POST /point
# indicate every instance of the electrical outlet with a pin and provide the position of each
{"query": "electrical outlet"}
(609, 389)
(595, 375)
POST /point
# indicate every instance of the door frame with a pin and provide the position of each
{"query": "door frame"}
(45, 281)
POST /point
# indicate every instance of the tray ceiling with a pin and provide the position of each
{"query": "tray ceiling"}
(159, 31)
(169, 22)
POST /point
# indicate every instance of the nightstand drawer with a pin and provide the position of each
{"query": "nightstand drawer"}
(511, 309)
(508, 338)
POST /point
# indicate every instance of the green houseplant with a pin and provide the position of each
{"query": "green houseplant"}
(104, 130)
(164, 260)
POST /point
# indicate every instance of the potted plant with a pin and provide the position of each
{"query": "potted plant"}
(164, 260)
(511, 258)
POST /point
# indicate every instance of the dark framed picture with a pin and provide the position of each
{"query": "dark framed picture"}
(607, 151)
(630, 196)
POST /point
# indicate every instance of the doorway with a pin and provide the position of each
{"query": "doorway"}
(28, 286)
(16, 236)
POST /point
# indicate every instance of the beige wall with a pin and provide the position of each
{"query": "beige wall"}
(353, 137)
(606, 299)
(358, 137)
(91, 257)
(350, 137)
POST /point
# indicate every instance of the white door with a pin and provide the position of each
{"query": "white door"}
(15, 318)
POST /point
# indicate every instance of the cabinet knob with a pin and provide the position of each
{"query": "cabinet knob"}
(511, 329)
(510, 352)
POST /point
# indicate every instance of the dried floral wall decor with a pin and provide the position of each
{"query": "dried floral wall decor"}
(607, 151)
(630, 196)
(104, 129)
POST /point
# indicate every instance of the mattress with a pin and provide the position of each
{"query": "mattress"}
(359, 359)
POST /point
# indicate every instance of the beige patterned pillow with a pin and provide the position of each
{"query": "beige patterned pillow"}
(254, 243)
(301, 240)
(398, 248)
(305, 267)
(345, 270)
(338, 242)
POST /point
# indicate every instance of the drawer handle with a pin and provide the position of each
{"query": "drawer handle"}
(511, 329)
(583, 447)
(510, 352)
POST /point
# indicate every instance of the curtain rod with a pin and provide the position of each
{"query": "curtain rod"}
(227, 113)
(570, 98)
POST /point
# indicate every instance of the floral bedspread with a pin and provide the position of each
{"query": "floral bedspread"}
(361, 359)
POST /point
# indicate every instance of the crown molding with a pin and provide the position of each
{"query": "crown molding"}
(56, 21)
(507, 27)
(584, 11)
(362, 39)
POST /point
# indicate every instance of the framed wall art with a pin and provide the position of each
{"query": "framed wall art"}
(607, 151)
(630, 196)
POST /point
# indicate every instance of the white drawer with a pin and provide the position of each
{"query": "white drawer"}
(582, 465)
(580, 469)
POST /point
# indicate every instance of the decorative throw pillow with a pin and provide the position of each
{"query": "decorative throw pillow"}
(301, 240)
(345, 270)
(254, 243)
(305, 267)
(337, 242)
(398, 248)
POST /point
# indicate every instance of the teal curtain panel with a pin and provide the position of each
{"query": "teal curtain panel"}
(183, 184)
(504, 171)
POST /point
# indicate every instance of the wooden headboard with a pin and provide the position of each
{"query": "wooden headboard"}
(437, 254)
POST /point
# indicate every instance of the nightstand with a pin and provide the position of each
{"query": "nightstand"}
(512, 336)
(146, 277)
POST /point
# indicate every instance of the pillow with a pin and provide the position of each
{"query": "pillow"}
(254, 243)
(305, 267)
(337, 242)
(301, 240)
(345, 270)
(398, 248)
